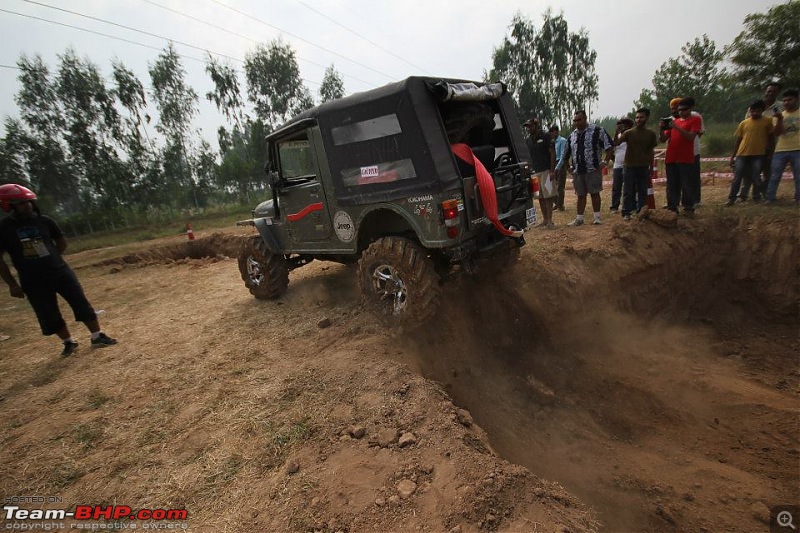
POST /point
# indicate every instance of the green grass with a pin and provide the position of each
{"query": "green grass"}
(225, 218)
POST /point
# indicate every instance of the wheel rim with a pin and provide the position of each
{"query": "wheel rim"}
(255, 271)
(390, 287)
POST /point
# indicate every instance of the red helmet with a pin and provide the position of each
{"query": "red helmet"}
(12, 193)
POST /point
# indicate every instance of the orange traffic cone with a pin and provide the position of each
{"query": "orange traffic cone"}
(651, 198)
(189, 232)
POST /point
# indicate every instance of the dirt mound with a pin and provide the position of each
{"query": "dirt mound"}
(215, 247)
(613, 369)
(623, 377)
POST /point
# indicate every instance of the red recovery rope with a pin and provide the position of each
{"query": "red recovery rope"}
(485, 188)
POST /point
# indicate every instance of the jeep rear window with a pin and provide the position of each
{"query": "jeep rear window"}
(366, 130)
(402, 169)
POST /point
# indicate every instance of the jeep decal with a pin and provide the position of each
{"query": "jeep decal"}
(343, 226)
(417, 199)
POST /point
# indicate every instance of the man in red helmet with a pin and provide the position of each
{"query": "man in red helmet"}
(35, 244)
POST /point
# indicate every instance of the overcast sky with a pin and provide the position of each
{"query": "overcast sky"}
(370, 42)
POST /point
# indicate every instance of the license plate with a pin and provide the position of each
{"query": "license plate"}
(530, 216)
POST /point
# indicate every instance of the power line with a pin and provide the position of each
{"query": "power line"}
(132, 29)
(203, 61)
(373, 43)
(253, 17)
(242, 36)
(94, 32)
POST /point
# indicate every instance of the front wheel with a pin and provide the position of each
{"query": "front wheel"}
(398, 281)
(265, 274)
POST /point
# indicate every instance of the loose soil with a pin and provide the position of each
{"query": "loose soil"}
(622, 377)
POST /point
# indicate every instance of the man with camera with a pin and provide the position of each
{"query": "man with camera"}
(680, 132)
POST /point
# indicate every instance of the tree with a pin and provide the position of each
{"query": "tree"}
(274, 85)
(768, 49)
(697, 72)
(46, 160)
(177, 105)
(92, 127)
(226, 94)
(550, 71)
(332, 86)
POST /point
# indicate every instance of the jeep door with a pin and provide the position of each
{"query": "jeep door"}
(301, 198)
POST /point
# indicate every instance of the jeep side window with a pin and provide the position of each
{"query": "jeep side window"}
(296, 160)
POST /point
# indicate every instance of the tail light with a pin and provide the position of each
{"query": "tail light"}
(535, 186)
(451, 218)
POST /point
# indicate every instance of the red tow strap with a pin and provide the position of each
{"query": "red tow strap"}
(485, 188)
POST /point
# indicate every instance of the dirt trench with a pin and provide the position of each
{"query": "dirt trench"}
(654, 377)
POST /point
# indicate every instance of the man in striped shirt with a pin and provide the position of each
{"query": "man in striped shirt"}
(589, 147)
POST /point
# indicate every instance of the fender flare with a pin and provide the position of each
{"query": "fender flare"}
(267, 236)
(412, 224)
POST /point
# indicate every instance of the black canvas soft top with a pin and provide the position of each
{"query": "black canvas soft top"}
(389, 143)
(441, 87)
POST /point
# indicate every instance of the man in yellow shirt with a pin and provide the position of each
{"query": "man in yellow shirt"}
(753, 137)
(787, 148)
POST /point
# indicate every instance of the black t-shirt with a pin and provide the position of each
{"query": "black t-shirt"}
(539, 147)
(31, 244)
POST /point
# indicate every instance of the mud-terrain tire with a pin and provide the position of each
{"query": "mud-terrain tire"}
(266, 275)
(398, 281)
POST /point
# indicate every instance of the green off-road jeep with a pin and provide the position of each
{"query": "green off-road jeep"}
(394, 179)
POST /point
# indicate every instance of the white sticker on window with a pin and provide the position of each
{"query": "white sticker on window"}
(370, 171)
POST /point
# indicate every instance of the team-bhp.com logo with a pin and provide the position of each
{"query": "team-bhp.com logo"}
(119, 514)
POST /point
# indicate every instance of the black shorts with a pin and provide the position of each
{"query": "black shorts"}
(41, 293)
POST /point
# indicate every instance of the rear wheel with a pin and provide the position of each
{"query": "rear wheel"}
(398, 281)
(265, 274)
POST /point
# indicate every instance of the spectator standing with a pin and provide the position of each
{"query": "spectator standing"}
(753, 136)
(623, 124)
(588, 147)
(787, 147)
(679, 159)
(696, 181)
(641, 143)
(561, 173)
(543, 162)
(35, 244)
(771, 92)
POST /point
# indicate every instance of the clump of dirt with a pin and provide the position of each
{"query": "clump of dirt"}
(203, 250)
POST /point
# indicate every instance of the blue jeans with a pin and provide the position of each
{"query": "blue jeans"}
(746, 168)
(616, 188)
(635, 189)
(779, 162)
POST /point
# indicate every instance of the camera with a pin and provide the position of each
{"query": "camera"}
(665, 123)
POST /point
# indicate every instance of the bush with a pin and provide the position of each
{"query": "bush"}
(717, 144)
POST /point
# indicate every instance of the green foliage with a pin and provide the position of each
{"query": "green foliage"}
(332, 86)
(274, 85)
(550, 70)
(768, 49)
(226, 94)
(697, 72)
